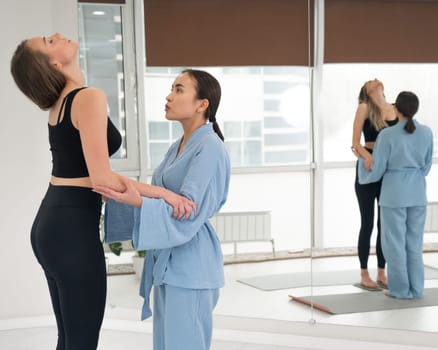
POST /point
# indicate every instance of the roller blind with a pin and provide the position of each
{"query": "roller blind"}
(381, 31)
(228, 32)
(103, 1)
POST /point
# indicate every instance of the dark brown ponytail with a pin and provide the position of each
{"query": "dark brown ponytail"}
(216, 128)
(407, 104)
(410, 126)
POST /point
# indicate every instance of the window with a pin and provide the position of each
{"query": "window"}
(264, 111)
(105, 54)
(264, 114)
(161, 135)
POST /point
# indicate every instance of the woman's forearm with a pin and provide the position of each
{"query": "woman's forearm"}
(150, 191)
(182, 207)
(108, 179)
(363, 153)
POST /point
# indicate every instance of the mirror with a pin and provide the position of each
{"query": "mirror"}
(340, 75)
(341, 84)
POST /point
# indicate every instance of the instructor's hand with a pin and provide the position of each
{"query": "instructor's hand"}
(130, 196)
(182, 206)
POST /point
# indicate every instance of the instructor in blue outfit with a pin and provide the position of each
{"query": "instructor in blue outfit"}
(184, 260)
(403, 156)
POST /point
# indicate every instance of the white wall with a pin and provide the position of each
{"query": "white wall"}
(24, 153)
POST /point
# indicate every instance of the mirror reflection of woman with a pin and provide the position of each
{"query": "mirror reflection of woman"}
(373, 114)
(403, 158)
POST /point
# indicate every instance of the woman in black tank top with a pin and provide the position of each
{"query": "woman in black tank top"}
(372, 115)
(65, 234)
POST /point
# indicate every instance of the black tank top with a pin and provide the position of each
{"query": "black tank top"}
(65, 143)
(369, 131)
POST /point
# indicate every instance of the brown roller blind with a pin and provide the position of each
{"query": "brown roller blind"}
(381, 31)
(103, 1)
(227, 32)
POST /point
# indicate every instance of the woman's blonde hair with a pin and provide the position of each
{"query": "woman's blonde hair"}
(36, 77)
(374, 113)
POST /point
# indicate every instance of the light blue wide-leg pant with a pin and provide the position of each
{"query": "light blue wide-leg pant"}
(183, 318)
(402, 244)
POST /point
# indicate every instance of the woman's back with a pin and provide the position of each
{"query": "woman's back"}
(407, 151)
(407, 159)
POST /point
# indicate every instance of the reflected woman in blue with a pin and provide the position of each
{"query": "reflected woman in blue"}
(184, 261)
(402, 158)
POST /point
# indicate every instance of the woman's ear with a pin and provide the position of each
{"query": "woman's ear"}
(203, 106)
(56, 64)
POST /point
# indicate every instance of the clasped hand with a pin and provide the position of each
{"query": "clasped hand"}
(368, 161)
(182, 206)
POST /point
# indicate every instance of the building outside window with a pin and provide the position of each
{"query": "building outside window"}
(264, 113)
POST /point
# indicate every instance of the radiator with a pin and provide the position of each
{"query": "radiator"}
(247, 226)
(235, 227)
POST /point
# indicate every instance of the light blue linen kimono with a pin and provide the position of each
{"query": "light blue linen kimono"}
(183, 254)
(403, 160)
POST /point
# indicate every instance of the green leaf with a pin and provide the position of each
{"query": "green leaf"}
(115, 247)
(141, 253)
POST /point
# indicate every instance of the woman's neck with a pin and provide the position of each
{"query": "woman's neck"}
(74, 74)
(70, 86)
(379, 100)
(189, 127)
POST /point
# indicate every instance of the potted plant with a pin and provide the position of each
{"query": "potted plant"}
(137, 259)
(117, 247)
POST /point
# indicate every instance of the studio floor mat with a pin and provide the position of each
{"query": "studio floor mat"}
(336, 304)
(319, 279)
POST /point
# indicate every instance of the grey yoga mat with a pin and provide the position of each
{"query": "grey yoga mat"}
(320, 278)
(336, 304)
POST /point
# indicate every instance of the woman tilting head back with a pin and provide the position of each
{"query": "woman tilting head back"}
(65, 234)
(373, 114)
(46, 70)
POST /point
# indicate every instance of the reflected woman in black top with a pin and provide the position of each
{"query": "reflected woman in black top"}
(372, 115)
(65, 234)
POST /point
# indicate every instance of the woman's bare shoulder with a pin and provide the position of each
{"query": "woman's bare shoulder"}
(362, 111)
(91, 94)
(89, 104)
(362, 106)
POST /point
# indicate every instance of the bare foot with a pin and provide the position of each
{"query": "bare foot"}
(381, 277)
(366, 279)
(368, 282)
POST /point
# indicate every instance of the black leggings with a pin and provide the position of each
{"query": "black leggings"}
(366, 197)
(65, 239)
